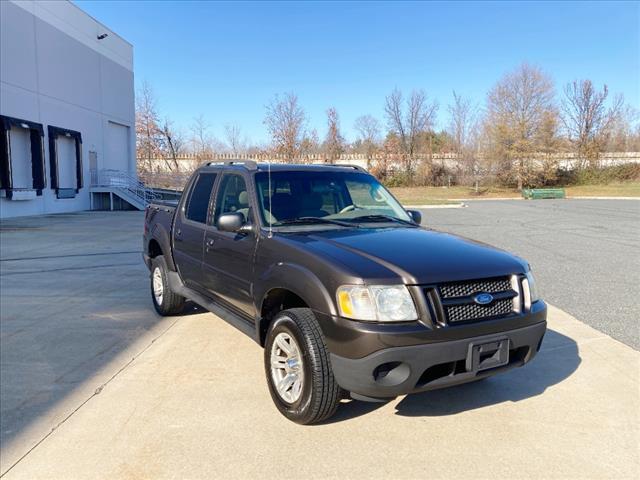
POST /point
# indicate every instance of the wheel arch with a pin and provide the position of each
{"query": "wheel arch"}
(289, 286)
(160, 244)
(154, 248)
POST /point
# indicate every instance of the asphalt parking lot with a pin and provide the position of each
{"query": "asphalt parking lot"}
(585, 254)
(95, 385)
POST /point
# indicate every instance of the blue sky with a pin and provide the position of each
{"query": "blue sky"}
(227, 60)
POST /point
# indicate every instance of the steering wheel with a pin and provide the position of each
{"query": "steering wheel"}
(348, 208)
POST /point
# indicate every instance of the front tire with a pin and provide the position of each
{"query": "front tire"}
(165, 301)
(298, 368)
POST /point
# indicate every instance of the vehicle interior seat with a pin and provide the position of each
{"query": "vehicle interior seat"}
(311, 206)
(243, 204)
(283, 206)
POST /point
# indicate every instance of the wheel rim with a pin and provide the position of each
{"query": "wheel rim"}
(287, 370)
(158, 287)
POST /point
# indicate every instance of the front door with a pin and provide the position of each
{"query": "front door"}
(228, 256)
(189, 228)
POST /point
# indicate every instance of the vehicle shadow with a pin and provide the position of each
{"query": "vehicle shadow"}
(557, 360)
(68, 313)
(192, 308)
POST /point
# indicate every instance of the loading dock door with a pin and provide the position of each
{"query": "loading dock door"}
(21, 158)
(66, 162)
(117, 157)
(65, 156)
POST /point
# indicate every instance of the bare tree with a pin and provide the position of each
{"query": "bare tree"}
(285, 120)
(334, 141)
(310, 144)
(234, 139)
(172, 146)
(410, 122)
(148, 135)
(463, 132)
(462, 122)
(587, 119)
(368, 128)
(519, 106)
(623, 136)
(202, 142)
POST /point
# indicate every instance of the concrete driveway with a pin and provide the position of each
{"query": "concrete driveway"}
(95, 385)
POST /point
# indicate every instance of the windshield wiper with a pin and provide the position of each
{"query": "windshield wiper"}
(382, 218)
(311, 220)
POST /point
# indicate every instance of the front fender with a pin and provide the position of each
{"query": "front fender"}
(297, 279)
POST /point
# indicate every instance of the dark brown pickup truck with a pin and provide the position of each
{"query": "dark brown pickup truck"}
(343, 288)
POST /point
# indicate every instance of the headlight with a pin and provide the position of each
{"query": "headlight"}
(530, 290)
(376, 302)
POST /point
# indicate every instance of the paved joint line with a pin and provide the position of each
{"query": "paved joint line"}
(68, 256)
(70, 268)
(96, 392)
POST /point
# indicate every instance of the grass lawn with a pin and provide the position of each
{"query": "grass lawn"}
(435, 195)
(443, 195)
(629, 189)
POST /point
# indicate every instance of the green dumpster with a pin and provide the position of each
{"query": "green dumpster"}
(537, 193)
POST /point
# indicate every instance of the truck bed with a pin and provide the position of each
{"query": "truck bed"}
(165, 203)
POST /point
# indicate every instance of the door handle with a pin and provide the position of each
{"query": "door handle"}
(210, 242)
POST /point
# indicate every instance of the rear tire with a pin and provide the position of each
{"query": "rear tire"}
(295, 353)
(165, 301)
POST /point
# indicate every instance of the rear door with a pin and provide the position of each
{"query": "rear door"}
(228, 257)
(189, 228)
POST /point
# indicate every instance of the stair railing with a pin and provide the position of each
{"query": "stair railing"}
(124, 181)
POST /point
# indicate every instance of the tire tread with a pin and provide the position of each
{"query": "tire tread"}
(172, 303)
(326, 393)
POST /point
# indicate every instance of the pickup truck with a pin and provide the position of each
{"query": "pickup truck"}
(348, 294)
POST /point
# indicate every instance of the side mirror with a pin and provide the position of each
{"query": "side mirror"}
(416, 216)
(231, 222)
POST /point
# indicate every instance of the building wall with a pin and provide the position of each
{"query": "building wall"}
(54, 71)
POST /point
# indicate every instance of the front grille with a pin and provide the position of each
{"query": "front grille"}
(454, 302)
(461, 313)
(463, 289)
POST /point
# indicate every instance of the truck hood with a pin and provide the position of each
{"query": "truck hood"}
(417, 255)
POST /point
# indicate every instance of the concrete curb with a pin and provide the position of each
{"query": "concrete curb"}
(603, 198)
(520, 198)
(444, 205)
(483, 199)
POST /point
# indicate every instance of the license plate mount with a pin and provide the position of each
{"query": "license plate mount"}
(482, 356)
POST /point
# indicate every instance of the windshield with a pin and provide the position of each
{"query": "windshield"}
(299, 196)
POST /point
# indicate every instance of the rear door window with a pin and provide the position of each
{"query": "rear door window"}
(198, 203)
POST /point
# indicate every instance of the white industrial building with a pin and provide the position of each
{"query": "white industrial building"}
(67, 116)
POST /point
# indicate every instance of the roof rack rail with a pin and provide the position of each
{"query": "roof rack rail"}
(249, 164)
(348, 165)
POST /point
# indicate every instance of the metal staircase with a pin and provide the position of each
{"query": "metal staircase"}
(124, 185)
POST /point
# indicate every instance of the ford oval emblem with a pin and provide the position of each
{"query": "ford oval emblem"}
(483, 298)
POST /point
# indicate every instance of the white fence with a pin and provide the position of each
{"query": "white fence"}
(188, 163)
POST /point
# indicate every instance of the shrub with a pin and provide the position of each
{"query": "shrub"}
(399, 179)
(590, 176)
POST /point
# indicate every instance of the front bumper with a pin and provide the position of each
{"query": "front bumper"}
(395, 371)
